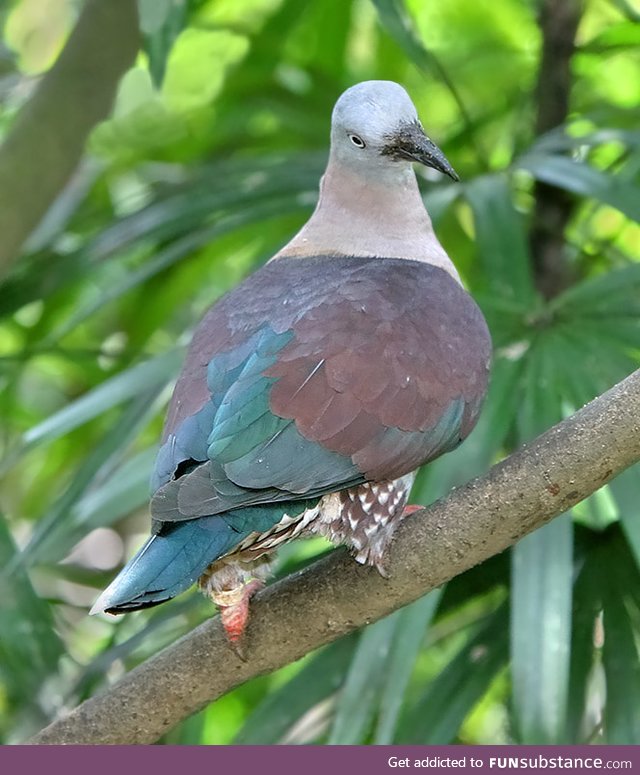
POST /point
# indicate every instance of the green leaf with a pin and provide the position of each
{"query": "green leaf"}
(197, 66)
(126, 490)
(484, 582)
(585, 361)
(398, 23)
(410, 632)
(437, 717)
(619, 36)
(395, 19)
(56, 533)
(29, 645)
(114, 391)
(175, 252)
(584, 180)
(538, 408)
(501, 239)
(625, 8)
(152, 630)
(603, 292)
(621, 662)
(269, 723)
(356, 703)
(154, 14)
(587, 606)
(542, 579)
(625, 489)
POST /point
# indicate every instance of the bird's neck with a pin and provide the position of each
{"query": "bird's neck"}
(370, 215)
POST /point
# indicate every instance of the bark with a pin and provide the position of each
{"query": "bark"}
(558, 21)
(336, 595)
(47, 139)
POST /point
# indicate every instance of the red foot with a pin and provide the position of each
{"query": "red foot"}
(411, 510)
(236, 615)
(234, 619)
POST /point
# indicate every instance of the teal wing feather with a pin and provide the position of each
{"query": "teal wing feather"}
(249, 455)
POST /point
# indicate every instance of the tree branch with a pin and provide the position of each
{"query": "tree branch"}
(336, 595)
(48, 137)
(558, 21)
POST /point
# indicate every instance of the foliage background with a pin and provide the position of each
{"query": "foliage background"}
(209, 163)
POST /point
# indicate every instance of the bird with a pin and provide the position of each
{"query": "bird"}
(313, 391)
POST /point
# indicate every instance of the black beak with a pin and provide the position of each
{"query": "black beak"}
(411, 144)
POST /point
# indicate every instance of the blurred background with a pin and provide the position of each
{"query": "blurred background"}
(118, 228)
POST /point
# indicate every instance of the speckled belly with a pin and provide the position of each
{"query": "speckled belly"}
(363, 518)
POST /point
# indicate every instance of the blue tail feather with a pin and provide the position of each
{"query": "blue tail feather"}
(168, 564)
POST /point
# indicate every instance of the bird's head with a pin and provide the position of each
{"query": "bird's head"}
(375, 124)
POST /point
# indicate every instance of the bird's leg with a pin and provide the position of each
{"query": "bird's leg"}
(365, 518)
(234, 610)
(411, 509)
(230, 582)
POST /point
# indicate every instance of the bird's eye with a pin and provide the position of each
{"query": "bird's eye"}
(357, 141)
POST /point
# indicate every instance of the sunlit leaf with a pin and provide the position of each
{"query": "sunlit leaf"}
(583, 180)
(282, 708)
(112, 392)
(621, 658)
(29, 645)
(626, 492)
(409, 635)
(356, 703)
(56, 533)
(604, 292)
(501, 239)
(584, 664)
(451, 696)
(541, 631)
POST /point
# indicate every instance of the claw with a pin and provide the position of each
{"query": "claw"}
(382, 570)
(378, 561)
(234, 612)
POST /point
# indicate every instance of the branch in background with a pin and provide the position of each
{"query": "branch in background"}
(558, 21)
(47, 139)
(335, 595)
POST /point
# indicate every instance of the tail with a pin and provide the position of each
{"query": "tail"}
(168, 564)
